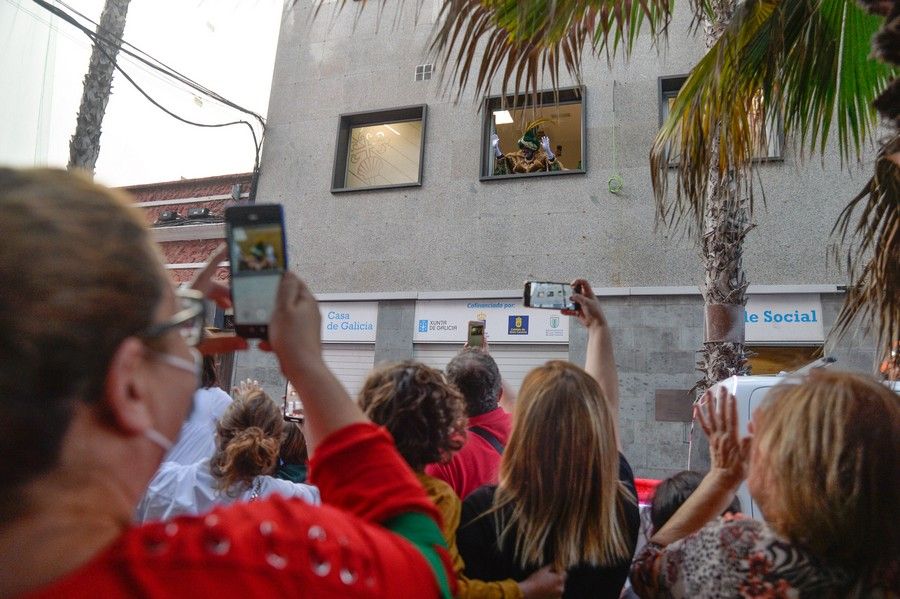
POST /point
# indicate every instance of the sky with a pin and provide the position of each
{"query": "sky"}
(226, 45)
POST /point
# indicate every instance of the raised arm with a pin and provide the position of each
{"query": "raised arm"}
(599, 361)
(294, 336)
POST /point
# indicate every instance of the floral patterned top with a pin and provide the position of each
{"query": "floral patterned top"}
(735, 556)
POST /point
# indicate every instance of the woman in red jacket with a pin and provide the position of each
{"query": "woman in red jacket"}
(97, 371)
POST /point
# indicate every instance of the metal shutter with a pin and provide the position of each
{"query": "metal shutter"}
(514, 361)
(350, 363)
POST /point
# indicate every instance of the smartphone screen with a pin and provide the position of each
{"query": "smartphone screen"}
(257, 256)
(476, 333)
(553, 296)
(293, 407)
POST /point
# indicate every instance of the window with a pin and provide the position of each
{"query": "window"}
(378, 150)
(773, 359)
(423, 72)
(769, 141)
(515, 129)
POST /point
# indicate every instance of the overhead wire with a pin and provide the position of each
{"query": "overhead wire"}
(100, 41)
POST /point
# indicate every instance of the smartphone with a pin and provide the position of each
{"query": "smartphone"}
(476, 333)
(293, 407)
(552, 296)
(258, 258)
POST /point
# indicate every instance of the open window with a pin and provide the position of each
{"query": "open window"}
(526, 138)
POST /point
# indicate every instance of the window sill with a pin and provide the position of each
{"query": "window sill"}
(375, 187)
(485, 178)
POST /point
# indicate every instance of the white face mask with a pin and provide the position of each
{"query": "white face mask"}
(194, 367)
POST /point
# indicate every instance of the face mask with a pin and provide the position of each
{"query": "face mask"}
(194, 367)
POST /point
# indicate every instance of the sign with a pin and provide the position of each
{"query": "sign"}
(784, 318)
(506, 321)
(349, 322)
(518, 325)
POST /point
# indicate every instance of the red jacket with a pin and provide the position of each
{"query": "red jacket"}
(477, 463)
(281, 547)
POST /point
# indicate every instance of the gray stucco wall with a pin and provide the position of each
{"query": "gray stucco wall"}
(458, 233)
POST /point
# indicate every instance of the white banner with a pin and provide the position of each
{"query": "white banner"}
(784, 318)
(506, 321)
(349, 322)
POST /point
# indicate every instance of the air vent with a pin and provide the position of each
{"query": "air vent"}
(195, 213)
(423, 72)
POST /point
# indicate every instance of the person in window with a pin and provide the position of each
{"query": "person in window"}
(566, 496)
(98, 364)
(532, 157)
(821, 464)
(426, 417)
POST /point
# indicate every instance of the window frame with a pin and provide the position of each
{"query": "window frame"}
(666, 90)
(366, 118)
(546, 98)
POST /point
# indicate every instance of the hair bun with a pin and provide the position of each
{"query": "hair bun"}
(247, 455)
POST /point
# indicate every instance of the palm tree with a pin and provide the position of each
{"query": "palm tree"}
(84, 147)
(803, 61)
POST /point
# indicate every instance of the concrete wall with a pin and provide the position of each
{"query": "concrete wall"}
(458, 233)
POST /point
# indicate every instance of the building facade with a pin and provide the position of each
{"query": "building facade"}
(407, 221)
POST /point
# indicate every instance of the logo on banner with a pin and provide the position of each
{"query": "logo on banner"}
(423, 326)
(518, 325)
(554, 322)
(481, 316)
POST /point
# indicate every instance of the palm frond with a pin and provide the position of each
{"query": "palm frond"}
(807, 60)
(518, 41)
(867, 235)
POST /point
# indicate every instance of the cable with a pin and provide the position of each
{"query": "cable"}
(159, 65)
(99, 42)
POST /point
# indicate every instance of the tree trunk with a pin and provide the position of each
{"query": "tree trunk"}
(725, 224)
(84, 147)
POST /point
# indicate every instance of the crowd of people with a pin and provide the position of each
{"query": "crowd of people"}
(127, 472)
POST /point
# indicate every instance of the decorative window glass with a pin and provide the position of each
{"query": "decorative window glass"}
(378, 150)
(527, 138)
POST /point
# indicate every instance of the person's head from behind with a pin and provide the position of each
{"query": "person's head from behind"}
(248, 441)
(293, 448)
(560, 472)
(474, 372)
(674, 491)
(823, 466)
(424, 414)
(84, 303)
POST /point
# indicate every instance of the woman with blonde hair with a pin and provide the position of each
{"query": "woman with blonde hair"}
(426, 417)
(566, 496)
(821, 463)
(248, 441)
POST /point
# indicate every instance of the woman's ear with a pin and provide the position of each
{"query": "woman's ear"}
(126, 390)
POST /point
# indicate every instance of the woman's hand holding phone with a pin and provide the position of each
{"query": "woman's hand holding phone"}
(589, 312)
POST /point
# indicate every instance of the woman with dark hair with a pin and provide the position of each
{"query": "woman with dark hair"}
(671, 493)
(821, 464)
(426, 417)
(566, 496)
(97, 368)
(248, 441)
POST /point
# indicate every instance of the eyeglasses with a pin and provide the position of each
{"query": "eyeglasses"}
(189, 319)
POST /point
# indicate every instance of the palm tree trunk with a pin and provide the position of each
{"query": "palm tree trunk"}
(84, 147)
(725, 222)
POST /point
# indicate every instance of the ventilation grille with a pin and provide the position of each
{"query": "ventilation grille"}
(423, 72)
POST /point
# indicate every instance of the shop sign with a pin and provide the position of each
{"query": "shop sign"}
(349, 322)
(784, 318)
(506, 321)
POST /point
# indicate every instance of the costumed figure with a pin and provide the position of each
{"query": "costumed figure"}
(532, 156)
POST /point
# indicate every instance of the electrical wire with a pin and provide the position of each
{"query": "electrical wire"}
(100, 41)
(160, 66)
